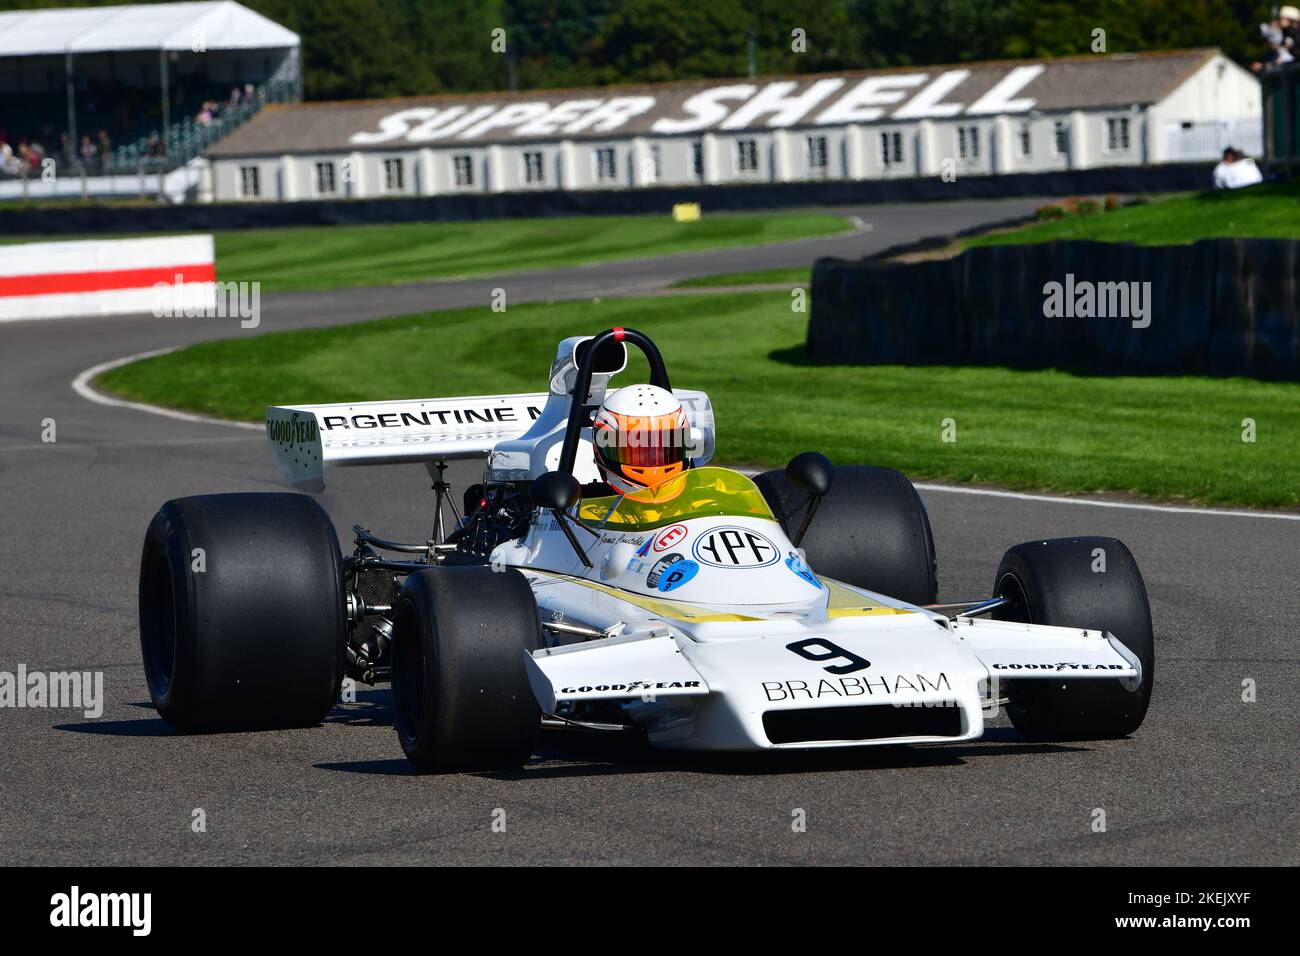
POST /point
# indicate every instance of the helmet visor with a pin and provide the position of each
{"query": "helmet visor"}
(649, 442)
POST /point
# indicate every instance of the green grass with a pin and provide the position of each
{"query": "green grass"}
(344, 256)
(333, 257)
(795, 276)
(1169, 438)
(1264, 212)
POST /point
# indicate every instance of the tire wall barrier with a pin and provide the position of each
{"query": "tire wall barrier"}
(81, 220)
(1218, 307)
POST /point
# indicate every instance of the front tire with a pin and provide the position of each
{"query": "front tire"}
(242, 617)
(871, 531)
(461, 696)
(1058, 582)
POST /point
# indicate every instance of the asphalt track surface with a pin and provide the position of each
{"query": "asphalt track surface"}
(1208, 779)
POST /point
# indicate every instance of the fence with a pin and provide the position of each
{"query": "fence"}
(1281, 89)
(1192, 142)
(1218, 307)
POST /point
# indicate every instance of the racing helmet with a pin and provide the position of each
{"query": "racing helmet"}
(640, 434)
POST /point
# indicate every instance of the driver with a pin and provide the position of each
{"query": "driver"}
(640, 434)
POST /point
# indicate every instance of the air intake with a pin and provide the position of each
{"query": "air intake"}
(870, 722)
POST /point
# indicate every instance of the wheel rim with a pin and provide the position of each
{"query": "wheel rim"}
(408, 675)
(158, 623)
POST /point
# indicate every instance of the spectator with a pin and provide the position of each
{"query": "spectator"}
(1288, 21)
(89, 153)
(1283, 38)
(66, 151)
(105, 145)
(8, 162)
(235, 94)
(34, 156)
(1236, 170)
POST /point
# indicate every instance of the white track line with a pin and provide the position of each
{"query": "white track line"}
(81, 385)
(1125, 505)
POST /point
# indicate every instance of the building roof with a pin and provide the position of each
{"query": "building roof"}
(216, 25)
(939, 92)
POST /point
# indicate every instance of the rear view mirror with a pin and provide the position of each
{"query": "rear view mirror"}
(555, 490)
(810, 471)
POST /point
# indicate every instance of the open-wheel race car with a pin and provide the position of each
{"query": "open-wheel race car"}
(604, 575)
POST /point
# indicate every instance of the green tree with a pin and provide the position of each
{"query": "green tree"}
(376, 48)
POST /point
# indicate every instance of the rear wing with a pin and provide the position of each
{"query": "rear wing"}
(304, 438)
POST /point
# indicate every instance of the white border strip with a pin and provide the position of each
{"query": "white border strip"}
(1124, 505)
(81, 385)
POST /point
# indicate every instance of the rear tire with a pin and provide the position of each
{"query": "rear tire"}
(870, 531)
(461, 696)
(1053, 582)
(242, 617)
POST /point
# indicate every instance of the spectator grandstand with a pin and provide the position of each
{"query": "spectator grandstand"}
(105, 91)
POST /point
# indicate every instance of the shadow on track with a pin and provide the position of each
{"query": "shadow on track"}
(564, 754)
(149, 727)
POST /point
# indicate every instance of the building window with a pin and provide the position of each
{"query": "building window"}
(533, 168)
(394, 175)
(747, 155)
(1026, 141)
(606, 167)
(1060, 138)
(656, 170)
(891, 147)
(325, 179)
(968, 142)
(463, 167)
(697, 158)
(250, 182)
(818, 156)
(1117, 134)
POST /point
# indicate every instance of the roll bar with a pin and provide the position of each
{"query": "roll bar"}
(579, 410)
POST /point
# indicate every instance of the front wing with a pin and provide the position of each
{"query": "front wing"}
(906, 679)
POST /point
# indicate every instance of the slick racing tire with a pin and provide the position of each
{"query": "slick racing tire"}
(870, 531)
(461, 697)
(1060, 582)
(242, 618)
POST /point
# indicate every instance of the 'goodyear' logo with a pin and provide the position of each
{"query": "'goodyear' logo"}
(292, 431)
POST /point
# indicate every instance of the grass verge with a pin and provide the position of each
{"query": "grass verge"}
(1168, 438)
(345, 256)
(334, 257)
(1267, 211)
(795, 276)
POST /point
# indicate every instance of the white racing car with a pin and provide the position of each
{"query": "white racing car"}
(605, 576)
